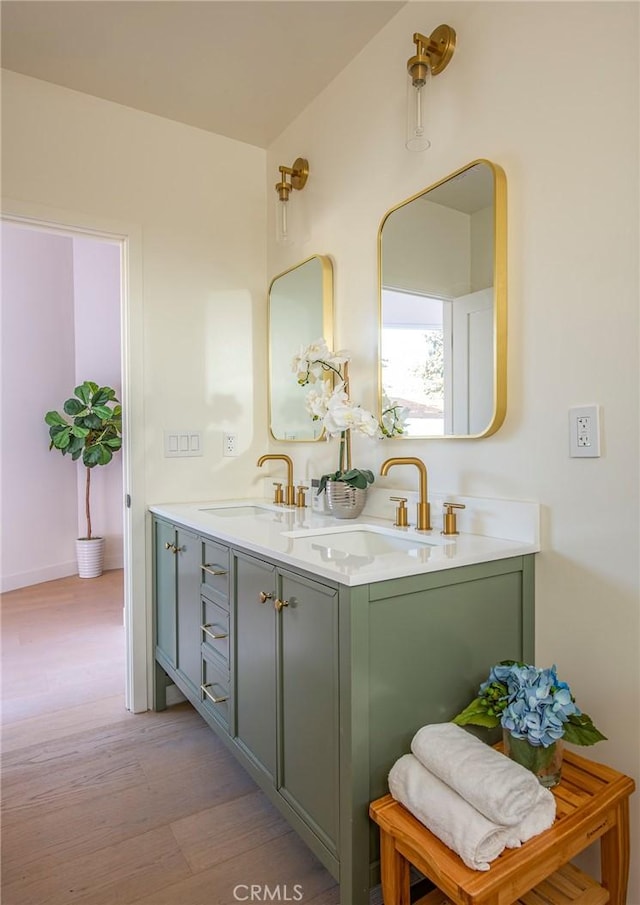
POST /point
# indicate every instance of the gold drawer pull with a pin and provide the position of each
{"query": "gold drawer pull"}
(203, 689)
(263, 596)
(205, 629)
(213, 569)
(278, 604)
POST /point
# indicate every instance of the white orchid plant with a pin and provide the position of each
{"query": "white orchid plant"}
(329, 402)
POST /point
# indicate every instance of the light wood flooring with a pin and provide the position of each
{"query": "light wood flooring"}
(103, 807)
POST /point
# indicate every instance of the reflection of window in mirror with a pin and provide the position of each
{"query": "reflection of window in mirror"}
(443, 305)
(414, 359)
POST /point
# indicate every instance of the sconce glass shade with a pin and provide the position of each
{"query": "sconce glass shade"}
(285, 226)
(417, 111)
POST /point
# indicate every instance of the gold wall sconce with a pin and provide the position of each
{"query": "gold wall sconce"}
(297, 179)
(432, 55)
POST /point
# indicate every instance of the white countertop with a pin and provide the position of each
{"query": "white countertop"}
(354, 552)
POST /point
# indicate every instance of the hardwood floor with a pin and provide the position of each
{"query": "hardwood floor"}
(103, 807)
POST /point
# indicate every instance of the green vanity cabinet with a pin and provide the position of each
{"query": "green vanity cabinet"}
(287, 695)
(256, 675)
(192, 622)
(165, 592)
(177, 613)
(321, 685)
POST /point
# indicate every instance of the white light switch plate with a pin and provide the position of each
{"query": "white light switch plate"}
(584, 431)
(182, 443)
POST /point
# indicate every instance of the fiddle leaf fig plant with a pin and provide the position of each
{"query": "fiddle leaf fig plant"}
(91, 427)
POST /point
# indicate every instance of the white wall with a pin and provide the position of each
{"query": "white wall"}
(96, 289)
(440, 267)
(38, 486)
(566, 133)
(199, 202)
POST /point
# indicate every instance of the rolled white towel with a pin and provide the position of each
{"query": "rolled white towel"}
(453, 820)
(502, 790)
(539, 819)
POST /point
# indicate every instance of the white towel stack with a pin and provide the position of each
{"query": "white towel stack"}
(476, 800)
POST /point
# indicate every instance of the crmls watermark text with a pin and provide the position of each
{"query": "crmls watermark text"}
(257, 892)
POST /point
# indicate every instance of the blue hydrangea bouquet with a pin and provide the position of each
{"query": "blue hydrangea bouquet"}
(535, 709)
(532, 704)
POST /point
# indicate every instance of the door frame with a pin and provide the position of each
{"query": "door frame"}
(137, 604)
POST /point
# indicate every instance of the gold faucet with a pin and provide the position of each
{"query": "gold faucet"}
(424, 509)
(290, 490)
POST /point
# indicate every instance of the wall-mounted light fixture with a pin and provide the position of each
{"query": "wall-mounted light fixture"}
(298, 175)
(432, 56)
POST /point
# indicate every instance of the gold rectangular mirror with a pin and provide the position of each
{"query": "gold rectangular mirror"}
(442, 259)
(300, 311)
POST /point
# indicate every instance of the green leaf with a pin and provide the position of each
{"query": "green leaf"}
(61, 438)
(105, 454)
(76, 443)
(84, 392)
(579, 730)
(102, 411)
(114, 443)
(104, 394)
(98, 454)
(476, 714)
(91, 456)
(79, 431)
(52, 418)
(73, 407)
(356, 480)
(93, 422)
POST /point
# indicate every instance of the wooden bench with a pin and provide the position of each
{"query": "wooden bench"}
(592, 803)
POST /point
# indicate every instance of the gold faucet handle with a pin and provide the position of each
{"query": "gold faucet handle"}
(278, 496)
(300, 497)
(402, 518)
(450, 521)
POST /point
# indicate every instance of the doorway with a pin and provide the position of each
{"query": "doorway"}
(47, 337)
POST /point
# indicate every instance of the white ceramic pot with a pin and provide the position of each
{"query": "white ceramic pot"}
(90, 555)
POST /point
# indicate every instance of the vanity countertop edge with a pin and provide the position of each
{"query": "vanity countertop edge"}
(270, 535)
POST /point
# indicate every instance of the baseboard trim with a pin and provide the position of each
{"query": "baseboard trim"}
(38, 576)
(50, 573)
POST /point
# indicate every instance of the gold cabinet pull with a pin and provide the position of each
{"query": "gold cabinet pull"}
(213, 569)
(263, 596)
(279, 604)
(171, 547)
(203, 689)
(205, 628)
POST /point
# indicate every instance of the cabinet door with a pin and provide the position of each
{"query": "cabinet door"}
(309, 762)
(189, 562)
(255, 668)
(165, 590)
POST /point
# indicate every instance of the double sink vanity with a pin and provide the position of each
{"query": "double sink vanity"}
(315, 647)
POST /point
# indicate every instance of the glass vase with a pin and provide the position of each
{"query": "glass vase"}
(546, 763)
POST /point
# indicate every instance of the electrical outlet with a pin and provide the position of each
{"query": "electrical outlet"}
(584, 431)
(229, 444)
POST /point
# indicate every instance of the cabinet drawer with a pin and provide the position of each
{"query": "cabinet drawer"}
(214, 691)
(215, 571)
(215, 632)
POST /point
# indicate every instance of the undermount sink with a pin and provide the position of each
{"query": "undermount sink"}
(237, 511)
(366, 540)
